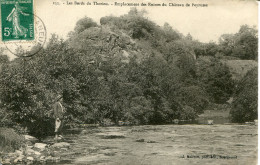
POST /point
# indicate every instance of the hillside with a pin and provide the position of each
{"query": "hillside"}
(125, 69)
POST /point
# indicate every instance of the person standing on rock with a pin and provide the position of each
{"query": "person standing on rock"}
(58, 116)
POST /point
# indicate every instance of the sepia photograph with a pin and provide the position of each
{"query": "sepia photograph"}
(128, 82)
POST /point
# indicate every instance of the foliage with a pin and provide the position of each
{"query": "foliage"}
(245, 104)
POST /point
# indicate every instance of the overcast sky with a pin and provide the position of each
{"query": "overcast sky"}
(203, 23)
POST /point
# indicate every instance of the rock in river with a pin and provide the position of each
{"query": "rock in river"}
(111, 135)
(140, 140)
(61, 145)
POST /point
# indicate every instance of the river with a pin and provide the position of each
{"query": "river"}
(161, 145)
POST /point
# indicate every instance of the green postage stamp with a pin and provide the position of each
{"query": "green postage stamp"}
(17, 20)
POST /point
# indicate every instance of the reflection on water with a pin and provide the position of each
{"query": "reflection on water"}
(162, 144)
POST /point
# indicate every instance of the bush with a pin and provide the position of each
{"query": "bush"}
(10, 140)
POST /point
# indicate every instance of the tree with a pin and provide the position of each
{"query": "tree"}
(83, 24)
(242, 44)
(194, 97)
(245, 104)
(216, 78)
(246, 42)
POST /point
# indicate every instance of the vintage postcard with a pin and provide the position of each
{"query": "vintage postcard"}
(129, 82)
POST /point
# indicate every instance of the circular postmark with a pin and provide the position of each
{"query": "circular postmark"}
(29, 47)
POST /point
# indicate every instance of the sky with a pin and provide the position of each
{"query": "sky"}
(203, 23)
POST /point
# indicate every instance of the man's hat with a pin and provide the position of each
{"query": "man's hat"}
(59, 97)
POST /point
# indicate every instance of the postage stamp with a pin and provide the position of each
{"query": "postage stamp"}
(17, 20)
(22, 32)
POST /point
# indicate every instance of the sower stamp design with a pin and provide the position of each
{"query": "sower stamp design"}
(22, 32)
(17, 20)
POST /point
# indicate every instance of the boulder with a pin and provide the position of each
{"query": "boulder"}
(30, 138)
(61, 145)
(40, 146)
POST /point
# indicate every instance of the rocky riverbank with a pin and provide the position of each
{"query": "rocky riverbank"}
(33, 151)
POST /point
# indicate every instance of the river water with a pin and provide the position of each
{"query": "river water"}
(162, 145)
